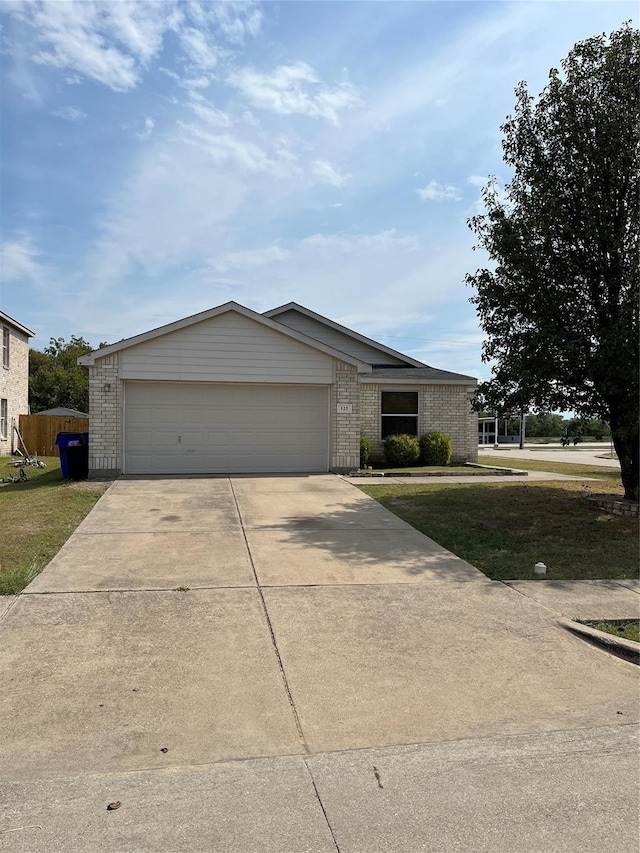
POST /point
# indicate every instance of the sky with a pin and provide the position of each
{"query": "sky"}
(158, 159)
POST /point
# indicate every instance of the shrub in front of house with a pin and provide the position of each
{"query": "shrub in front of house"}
(401, 450)
(365, 449)
(435, 448)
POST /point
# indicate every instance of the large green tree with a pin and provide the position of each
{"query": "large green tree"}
(559, 304)
(56, 379)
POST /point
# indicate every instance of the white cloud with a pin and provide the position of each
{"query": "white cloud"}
(149, 124)
(171, 209)
(294, 90)
(224, 148)
(209, 115)
(19, 262)
(478, 181)
(199, 48)
(70, 113)
(250, 259)
(112, 42)
(237, 20)
(106, 42)
(324, 172)
(334, 245)
(22, 76)
(440, 192)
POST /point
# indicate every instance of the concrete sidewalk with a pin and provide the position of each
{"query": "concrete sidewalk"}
(585, 599)
(235, 659)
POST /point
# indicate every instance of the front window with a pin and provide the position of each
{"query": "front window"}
(399, 413)
(5, 346)
(3, 419)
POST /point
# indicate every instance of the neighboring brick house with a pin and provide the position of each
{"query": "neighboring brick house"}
(230, 390)
(14, 379)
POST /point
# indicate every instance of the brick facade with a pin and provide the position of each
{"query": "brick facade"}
(105, 418)
(446, 408)
(14, 383)
(345, 428)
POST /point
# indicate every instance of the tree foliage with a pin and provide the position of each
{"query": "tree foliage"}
(56, 379)
(544, 424)
(560, 304)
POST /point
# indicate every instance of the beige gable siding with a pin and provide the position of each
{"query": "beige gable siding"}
(333, 338)
(226, 348)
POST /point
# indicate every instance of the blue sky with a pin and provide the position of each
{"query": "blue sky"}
(160, 159)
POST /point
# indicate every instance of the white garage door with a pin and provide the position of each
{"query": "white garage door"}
(203, 428)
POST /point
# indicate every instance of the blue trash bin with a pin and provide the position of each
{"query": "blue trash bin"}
(69, 439)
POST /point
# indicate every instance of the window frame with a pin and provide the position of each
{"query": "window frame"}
(6, 349)
(4, 418)
(415, 417)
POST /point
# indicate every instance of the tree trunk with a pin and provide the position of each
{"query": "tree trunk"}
(626, 440)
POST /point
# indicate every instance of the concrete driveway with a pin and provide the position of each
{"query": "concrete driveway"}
(211, 652)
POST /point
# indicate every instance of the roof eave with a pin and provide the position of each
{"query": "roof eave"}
(419, 380)
(11, 322)
(293, 306)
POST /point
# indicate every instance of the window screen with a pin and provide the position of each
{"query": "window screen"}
(399, 413)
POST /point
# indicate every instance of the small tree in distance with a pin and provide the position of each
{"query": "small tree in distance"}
(560, 305)
(55, 377)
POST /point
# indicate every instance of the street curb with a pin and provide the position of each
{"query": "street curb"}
(626, 649)
(505, 472)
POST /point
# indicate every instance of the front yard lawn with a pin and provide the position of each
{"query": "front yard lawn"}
(505, 528)
(626, 630)
(600, 472)
(37, 519)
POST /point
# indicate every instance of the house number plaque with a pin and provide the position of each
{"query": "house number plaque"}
(345, 408)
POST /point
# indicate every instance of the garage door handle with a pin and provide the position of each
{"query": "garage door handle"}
(179, 439)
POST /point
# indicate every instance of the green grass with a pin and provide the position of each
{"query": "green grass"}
(505, 528)
(599, 472)
(37, 519)
(625, 629)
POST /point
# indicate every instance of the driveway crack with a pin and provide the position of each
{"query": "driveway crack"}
(324, 811)
(267, 617)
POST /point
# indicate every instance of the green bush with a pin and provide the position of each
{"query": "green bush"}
(401, 450)
(435, 448)
(365, 449)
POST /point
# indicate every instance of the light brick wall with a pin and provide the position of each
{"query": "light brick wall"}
(105, 418)
(446, 408)
(14, 382)
(345, 429)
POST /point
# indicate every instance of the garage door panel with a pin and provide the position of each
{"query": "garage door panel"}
(164, 438)
(208, 428)
(194, 415)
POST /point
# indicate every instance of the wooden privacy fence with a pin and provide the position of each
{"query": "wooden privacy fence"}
(39, 431)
